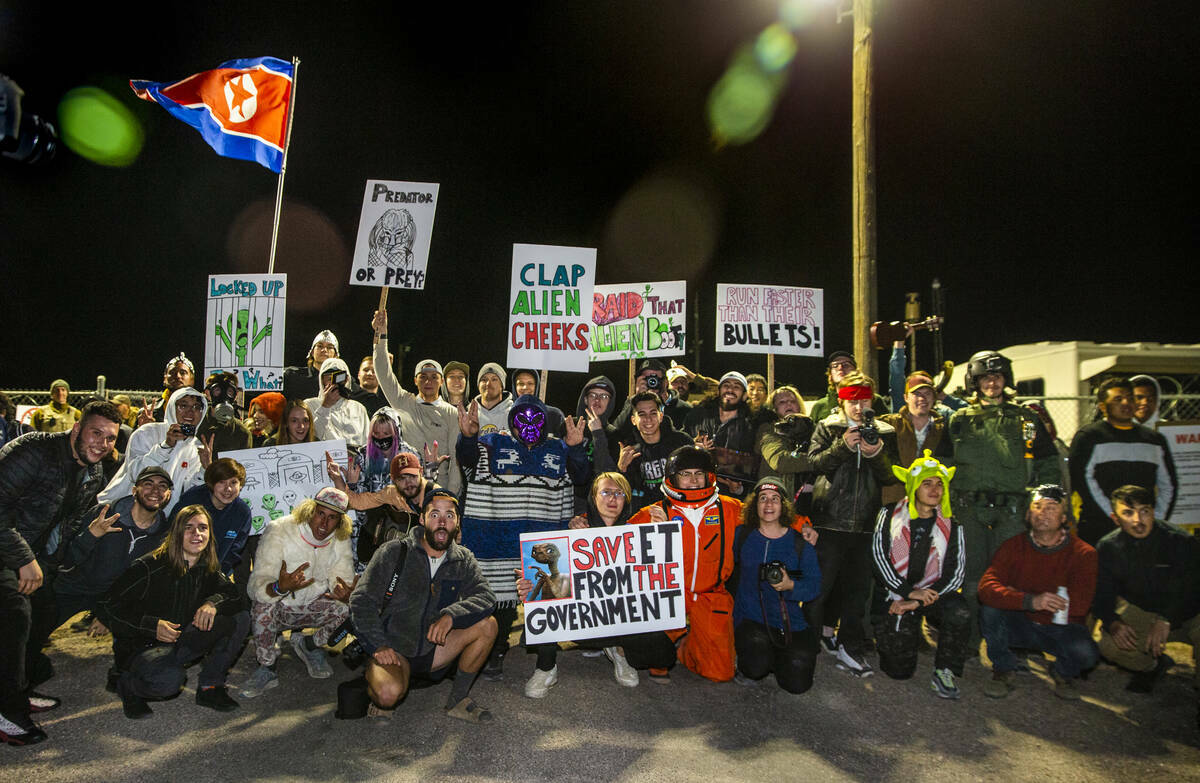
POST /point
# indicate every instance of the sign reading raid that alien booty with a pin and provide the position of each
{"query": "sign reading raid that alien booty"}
(394, 230)
(638, 320)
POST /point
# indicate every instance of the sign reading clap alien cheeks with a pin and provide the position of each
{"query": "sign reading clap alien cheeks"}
(394, 229)
(244, 329)
(550, 309)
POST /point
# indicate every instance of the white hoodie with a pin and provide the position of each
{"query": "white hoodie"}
(146, 449)
(344, 420)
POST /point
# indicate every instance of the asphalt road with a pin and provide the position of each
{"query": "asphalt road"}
(591, 728)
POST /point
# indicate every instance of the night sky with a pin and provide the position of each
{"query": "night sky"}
(1036, 156)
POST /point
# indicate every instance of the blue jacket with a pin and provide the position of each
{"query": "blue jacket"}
(752, 549)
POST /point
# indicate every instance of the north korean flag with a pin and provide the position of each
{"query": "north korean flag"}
(240, 107)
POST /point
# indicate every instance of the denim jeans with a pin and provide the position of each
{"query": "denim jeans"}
(1071, 644)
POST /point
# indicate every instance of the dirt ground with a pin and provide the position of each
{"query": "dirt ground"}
(591, 728)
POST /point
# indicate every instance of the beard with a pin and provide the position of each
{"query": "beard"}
(440, 546)
(729, 406)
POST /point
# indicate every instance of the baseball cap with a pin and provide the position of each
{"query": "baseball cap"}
(154, 470)
(833, 357)
(405, 463)
(332, 498)
(734, 375)
(427, 365)
(439, 492)
(917, 380)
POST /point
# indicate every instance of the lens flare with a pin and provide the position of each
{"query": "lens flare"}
(98, 127)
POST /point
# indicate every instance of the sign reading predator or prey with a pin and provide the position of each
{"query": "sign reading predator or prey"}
(607, 581)
(394, 230)
(550, 307)
(770, 319)
(244, 331)
(636, 320)
(279, 477)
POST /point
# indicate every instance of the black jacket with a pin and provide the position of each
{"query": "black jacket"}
(41, 487)
(1159, 573)
(674, 408)
(152, 590)
(647, 470)
(91, 565)
(847, 491)
(733, 440)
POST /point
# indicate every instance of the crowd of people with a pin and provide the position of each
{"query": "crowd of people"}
(849, 528)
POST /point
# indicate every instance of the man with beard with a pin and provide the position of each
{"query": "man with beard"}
(643, 458)
(46, 481)
(518, 483)
(407, 634)
(222, 426)
(170, 444)
(391, 511)
(302, 578)
(722, 425)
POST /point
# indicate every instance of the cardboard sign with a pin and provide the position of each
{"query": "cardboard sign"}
(604, 581)
(770, 319)
(279, 477)
(394, 231)
(636, 320)
(1183, 439)
(245, 329)
(550, 307)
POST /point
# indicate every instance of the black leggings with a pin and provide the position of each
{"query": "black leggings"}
(758, 655)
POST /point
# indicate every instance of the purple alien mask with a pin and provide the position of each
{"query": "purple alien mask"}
(529, 424)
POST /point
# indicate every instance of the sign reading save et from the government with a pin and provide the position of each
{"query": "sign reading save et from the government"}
(550, 307)
(394, 230)
(636, 320)
(770, 319)
(607, 581)
(243, 332)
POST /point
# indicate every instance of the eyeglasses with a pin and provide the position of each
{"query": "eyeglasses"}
(842, 366)
(611, 494)
(599, 396)
(183, 406)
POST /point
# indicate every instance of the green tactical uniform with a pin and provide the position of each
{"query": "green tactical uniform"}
(1000, 452)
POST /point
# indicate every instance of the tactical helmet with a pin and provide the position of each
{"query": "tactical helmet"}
(985, 363)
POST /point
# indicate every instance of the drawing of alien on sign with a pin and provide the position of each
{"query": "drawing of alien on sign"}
(245, 330)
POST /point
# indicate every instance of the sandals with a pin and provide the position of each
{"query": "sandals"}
(469, 711)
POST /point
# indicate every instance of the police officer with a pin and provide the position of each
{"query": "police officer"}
(1001, 449)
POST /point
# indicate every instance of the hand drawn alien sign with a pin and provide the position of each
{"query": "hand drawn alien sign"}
(530, 424)
(392, 239)
(239, 335)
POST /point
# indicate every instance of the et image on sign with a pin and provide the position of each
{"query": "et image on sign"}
(394, 232)
(774, 319)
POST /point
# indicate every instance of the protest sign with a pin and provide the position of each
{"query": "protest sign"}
(1183, 440)
(279, 477)
(770, 319)
(606, 581)
(637, 320)
(549, 309)
(245, 329)
(394, 231)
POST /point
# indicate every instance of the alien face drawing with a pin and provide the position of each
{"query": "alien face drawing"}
(241, 338)
(391, 240)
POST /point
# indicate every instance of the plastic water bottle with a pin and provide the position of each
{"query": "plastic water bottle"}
(1060, 617)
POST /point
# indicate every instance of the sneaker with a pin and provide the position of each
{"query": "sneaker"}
(493, 670)
(314, 660)
(661, 676)
(40, 702)
(943, 684)
(540, 683)
(622, 671)
(1065, 688)
(829, 644)
(999, 686)
(855, 664)
(1144, 682)
(20, 730)
(216, 697)
(134, 706)
(593, 653)
(262, 680)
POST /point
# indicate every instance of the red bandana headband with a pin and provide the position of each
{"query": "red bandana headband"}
(862, 392)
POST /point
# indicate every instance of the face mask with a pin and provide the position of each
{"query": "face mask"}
(383, 444)
(530, 424)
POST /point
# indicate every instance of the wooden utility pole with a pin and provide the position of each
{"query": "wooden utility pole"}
(863, 141)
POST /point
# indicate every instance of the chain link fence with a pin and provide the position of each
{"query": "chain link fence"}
(1071, 413)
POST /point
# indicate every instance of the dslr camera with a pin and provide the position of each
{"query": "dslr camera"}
(187, 429)
(652, 381)
(353, 653)
(867, 430)
(773, 572)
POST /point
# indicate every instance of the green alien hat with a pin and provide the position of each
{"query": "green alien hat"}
(924, 467)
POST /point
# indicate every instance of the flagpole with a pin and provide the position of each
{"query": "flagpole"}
(287, 142)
